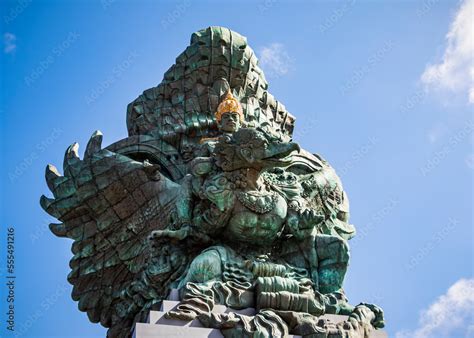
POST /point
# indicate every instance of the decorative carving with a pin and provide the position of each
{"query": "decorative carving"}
(208, 195)
(258, 201)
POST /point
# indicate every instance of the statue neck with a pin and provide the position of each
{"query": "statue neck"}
(253, 179)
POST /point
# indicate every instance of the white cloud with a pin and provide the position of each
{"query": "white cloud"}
(455, 72)
(470, 164)
(9, 43)
(437, 132)
(451, 315)
(274, 60)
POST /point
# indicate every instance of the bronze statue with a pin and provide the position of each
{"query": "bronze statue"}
(210, 196)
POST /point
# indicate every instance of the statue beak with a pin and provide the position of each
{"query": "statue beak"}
(278, 151)
(296, 147)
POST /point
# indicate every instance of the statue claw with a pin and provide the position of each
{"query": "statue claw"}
(379, 321)
(94, 145)
(51, 174)
(72, 152)
(185, 315)
(309, 219)
(376, 318)
(71, 159)
(176, 234)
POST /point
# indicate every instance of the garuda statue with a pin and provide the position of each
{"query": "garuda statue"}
(210, 196)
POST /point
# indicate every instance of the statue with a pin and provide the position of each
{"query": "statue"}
(210, 196)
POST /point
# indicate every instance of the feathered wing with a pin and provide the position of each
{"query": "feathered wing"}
(108, 205)
(180, 110)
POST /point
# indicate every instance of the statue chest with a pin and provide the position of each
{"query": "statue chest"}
(257, 217)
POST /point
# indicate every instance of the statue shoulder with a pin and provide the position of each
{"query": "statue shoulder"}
(206, 146)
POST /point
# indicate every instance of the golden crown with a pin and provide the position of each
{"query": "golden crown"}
(227, 105)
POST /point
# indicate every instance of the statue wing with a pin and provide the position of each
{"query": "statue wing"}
(108, 205)
(180, 110)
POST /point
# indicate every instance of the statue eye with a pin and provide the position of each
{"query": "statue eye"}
(246, 152)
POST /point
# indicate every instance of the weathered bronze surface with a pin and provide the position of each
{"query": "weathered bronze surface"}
(209, 195)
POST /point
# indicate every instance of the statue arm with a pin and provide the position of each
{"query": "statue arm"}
(190, 184)
(303, 226)
(210, 219)
(184, 202)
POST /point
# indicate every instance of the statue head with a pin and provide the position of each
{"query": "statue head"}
(250, 148)
(229, 114)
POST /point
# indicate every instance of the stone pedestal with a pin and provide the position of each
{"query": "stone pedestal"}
(157, 326)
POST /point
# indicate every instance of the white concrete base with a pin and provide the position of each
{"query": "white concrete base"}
(164, 331)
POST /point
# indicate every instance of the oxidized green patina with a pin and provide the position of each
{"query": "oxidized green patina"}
(208, 195)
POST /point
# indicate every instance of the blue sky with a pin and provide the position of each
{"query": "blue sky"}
(381, 90)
